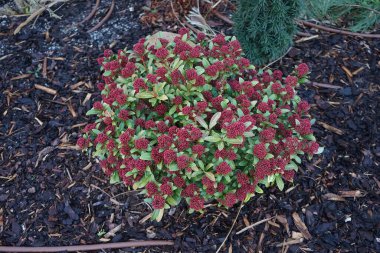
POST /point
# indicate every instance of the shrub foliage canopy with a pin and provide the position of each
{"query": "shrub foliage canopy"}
(265, 28)
(192, 119)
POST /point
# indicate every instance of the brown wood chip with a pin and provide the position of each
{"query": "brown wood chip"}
(333, 197)
(301, 226)
(352, 194)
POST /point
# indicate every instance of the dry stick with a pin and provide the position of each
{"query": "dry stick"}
(333, 30)
(175, 15)
(254, 225)
(229, 232)
(267, 66)
(87, 248)
(45, 89)
(92, 13)
(35, 14)
(222, 17)
(325, 85)
(105, 18)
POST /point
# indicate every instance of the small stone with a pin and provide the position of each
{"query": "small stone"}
(32, 190)
(347, 91)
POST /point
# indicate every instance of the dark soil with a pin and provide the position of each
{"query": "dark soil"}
(52, 194)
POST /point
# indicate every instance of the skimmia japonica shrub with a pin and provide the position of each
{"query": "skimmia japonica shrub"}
(192, 119)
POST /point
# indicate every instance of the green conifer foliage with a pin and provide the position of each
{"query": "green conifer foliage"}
(265, 28)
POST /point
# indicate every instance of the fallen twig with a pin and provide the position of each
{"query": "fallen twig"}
(307, 38)
(352, 194)
(262, 236)
(106, 17)
(86, 248)
(333, 30)
(20, 77)
(292, 242)
(325, 85)
(35, 14)
(92, 13)
(229, 232)
(254, 225)
(267, 66)
(331, 128)
(46, 89)
(222, 17)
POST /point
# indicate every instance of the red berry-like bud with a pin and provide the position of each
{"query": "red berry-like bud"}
(158, 202)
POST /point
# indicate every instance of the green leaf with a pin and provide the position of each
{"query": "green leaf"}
(258, 189)
(214, 119)
(243, 163)
(201, 164)
(92, 112)
(107, 73)
(146, 156)
(296, 158)
(291, 166)
(144, 94)
(173, 167)
(269, 156)
(96, 131)
(220, 145)
(210, 176)
(155, 214)
(320, 150)
(201, 121)
(224, 104)
(171, 201)
(212, 139)
(159, 87)
(205, 62)
(114, 179)
(131, 173)
(249, 134)
(163, 97)
(199, 70)
(279, 182)
(285, 110)
(309, 137)
(172, 110)
(238, 140)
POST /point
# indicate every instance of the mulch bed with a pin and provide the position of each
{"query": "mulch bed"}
(52, 194)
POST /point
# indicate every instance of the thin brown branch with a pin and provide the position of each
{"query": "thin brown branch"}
(222, 17)
(92, 13)
(229, 232)
(333, 30)
(254, 225)
(106, 17)
(36, 14)
(325, 85)
(87, 248)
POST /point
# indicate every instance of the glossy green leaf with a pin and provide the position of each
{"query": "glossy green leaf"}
(146, 156)
(214, 119)
(212, 138)
(279, 182)
(144, 94)
(201, 121)
(114, 179)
